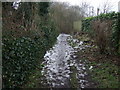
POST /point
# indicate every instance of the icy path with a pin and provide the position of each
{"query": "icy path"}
(58, 61)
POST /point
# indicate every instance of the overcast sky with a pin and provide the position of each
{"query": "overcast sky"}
(95, 3)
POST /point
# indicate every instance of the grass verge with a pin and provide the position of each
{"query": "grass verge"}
(105, 74)
(105, 68)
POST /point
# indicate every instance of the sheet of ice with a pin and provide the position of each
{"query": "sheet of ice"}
(58, 61)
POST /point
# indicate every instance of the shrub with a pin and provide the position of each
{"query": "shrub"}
(103, 21)
(102, 31)
(24, 42)
(23, 55)
(19, 59)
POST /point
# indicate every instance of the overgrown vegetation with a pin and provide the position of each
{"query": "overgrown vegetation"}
(30, 30)
(27, 33)
(103, 69)
(105, 29)
(73, 76)
(105, 72)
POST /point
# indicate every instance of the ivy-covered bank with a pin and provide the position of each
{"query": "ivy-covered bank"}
(105, 28)
(27, 33)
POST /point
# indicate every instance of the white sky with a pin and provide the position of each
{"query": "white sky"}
(95, 3)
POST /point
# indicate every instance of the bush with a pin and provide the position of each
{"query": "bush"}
(102, 35)
(90, 24)
(23, 48)
(22, 55)
(19, 59)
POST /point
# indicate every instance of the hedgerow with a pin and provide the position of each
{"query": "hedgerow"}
(23, 49)
(22, 55)
(87, 26)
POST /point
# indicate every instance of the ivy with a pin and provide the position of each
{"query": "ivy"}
(43, 8)
(20, 58)
(22, 53)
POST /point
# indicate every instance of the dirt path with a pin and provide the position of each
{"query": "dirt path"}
(62, 67)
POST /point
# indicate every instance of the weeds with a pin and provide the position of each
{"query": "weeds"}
(105, 69)
(106, 74)
(73, 81)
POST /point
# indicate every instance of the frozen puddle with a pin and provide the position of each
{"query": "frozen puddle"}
(57, 63)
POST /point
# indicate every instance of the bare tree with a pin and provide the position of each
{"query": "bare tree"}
(106, 7)
(86, 9)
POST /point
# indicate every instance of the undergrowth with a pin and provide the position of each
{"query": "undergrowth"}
(105, 73)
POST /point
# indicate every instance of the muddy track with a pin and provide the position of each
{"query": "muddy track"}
(62, 67)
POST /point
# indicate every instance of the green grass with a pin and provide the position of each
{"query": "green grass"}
(73, 78)
(71, 43)
(106, 74)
